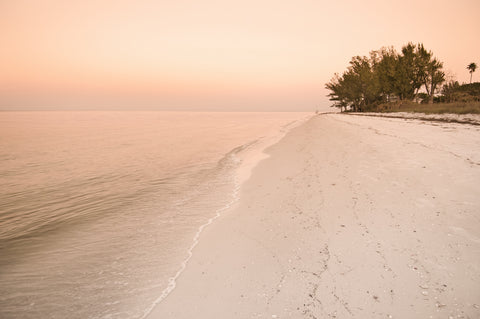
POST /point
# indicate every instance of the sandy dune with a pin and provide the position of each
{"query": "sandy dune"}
(350, 217)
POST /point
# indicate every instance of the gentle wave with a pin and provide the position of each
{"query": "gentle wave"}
(103, 221)
(235, 196)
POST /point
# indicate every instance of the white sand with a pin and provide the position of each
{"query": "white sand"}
(455, 118)
(350, 217)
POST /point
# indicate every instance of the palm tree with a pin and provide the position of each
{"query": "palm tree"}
(471, 68)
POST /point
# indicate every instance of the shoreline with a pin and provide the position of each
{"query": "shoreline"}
(248, 156)
(346, 218)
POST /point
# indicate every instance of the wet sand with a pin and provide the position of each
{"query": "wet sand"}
(349, 217)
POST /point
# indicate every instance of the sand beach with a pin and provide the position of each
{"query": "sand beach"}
(348, 217)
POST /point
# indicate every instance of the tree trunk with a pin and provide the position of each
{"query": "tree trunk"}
(432, 90)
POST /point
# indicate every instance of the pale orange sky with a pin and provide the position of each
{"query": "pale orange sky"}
(211, 55)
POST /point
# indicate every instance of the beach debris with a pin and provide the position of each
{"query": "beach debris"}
(425, 293)
(424, 286)
(476, 306)
(440, 305)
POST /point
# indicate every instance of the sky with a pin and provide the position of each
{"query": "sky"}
(212, 55)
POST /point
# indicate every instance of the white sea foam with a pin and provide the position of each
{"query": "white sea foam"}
(172, 282)
(247, 157)
(99, 209)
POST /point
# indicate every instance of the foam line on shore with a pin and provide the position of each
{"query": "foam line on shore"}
(349, 216)
(252, 154)
(172, 282)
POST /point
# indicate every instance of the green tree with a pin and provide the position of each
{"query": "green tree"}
(428, 71)
(434, 77)
(356, 88)
(454, 92)
(386, 76)
(386, 68)
(471, 68)
(411, 71)
(337, 95)
(450, 91)
(365, 81)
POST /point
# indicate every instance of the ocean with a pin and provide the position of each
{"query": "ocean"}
(100, 211)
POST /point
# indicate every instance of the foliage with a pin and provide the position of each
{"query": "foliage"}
(386, 76)
(450, 92)
(471, 68)
(454, 92)
(357, 87)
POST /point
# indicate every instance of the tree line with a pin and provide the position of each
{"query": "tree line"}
(455, 92)
(387, 76)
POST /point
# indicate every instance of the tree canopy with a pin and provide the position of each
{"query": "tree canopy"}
(386, 76)
(471, 68)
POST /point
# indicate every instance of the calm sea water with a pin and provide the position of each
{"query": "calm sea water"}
(98, 210)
